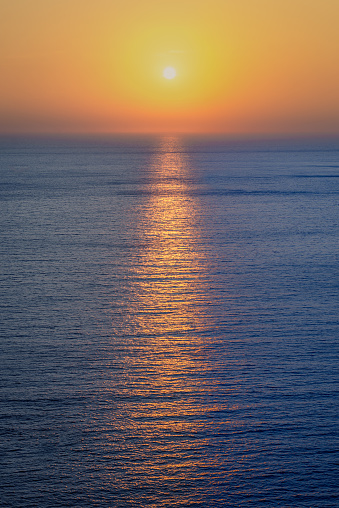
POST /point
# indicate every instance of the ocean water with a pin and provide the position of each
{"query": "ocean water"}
(169, 333)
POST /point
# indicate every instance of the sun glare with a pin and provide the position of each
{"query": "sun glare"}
(169, 73)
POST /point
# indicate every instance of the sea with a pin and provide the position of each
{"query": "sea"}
(169, 322)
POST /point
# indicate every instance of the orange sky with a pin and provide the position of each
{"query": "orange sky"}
(245, 66)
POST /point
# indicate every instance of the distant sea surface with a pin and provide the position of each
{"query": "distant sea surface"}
(169, 332)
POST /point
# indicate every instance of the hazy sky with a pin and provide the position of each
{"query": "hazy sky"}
(242, 66)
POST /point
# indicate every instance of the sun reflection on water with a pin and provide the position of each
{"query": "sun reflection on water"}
(166, 371)
(165, 388)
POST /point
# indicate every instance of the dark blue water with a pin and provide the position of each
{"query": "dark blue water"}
(169, 329)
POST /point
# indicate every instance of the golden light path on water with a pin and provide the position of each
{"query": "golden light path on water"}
(168, 380)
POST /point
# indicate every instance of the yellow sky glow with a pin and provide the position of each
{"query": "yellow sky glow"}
(251, 66)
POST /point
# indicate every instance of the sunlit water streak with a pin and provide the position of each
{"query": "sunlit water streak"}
(170, 323)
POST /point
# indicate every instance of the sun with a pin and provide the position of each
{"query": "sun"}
(169, 72)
